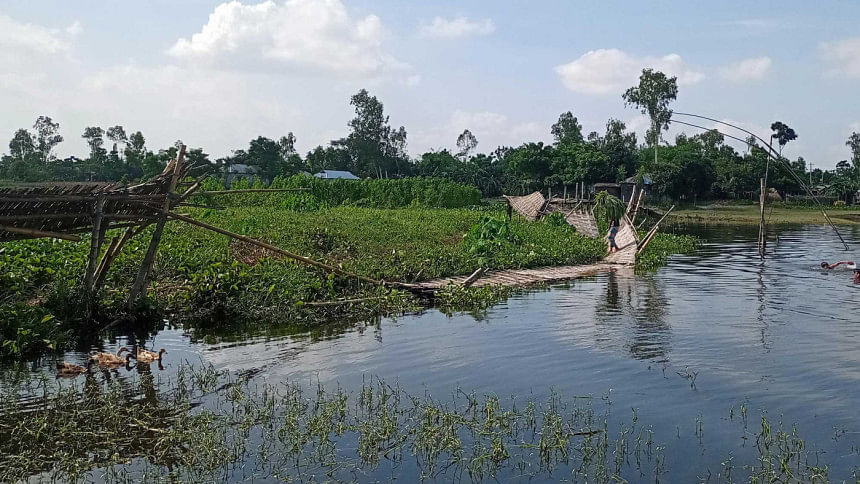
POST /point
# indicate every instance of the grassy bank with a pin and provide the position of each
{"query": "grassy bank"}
(206, 279)
(775, 214)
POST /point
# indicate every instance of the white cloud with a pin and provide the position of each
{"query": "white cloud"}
(844, 55)
(759, 25)
(296, 35)
(457, 27)
(74, 29)
(606, 71)
(16, 37)
(751, 69)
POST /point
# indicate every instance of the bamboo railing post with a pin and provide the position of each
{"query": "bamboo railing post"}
(651, 233)
(140, 282)
(95, 247)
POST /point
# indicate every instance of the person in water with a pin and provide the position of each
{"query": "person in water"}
(849, 264)
(856, 276)
(613, 229)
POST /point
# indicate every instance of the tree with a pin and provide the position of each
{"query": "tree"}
(95, 139)
(288, 145)
(466, 142)
(854, 144)
(23, 146)
(47, 137)
(373, 147)
(117, 135)
(652, 96)
(567, 129)
(782, 133)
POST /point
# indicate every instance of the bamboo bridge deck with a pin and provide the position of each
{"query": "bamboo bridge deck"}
(624, 257)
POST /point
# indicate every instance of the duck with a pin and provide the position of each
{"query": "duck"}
(108, 359)
(144, 356)
(68, 370)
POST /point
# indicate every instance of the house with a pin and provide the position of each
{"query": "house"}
(613, 189)
(628, 184)
(336, 174)
(238, 170)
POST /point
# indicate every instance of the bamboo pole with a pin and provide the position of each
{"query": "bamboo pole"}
(34, 233)
(140, 282)
(276, 249)
(95, 247)
(254, 190)
(638, 202)
(653, 232)
(761, 233)
(474, 277)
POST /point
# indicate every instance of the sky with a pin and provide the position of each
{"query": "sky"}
(217, 74)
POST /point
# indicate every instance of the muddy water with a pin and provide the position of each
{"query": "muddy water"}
(683, 346)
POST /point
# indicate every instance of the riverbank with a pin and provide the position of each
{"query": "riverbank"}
(209, 281)
(751, 215)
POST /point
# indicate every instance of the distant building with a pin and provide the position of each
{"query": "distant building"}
(628, 184)
(336, 174)
(238, 170)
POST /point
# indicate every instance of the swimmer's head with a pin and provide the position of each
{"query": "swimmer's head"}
(824, 265)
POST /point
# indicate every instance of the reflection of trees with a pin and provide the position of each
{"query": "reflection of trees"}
(642, 301)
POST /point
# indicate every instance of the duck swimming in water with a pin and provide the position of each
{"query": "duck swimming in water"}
(144, 356)
(111, 360)
(68, 370)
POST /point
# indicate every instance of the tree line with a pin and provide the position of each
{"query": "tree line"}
(693, 166)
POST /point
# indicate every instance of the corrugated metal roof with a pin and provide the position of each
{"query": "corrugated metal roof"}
(336, 174)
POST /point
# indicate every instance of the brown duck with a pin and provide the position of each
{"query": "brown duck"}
(144, 356)
(111, 360)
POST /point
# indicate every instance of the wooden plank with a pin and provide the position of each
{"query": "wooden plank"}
(474, 277)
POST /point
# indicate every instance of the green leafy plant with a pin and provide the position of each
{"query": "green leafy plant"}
(608, 207)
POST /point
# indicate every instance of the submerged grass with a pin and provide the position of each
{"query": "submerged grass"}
(203, 425)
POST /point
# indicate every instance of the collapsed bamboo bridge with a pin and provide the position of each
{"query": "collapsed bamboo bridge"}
(68, 210)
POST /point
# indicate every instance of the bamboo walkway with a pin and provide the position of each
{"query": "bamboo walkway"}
(625, 257)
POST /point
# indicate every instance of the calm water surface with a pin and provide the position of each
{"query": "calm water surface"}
(782, 336)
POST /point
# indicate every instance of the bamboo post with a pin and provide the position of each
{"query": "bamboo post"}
(95, 247)
(761, 234)
(113, 251)
(149, 258)
(474, 277)
(273, 248)
(565, 194)
(630, 202)
(638, 202)
(653, 231)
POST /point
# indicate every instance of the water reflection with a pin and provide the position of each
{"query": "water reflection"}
(635, 308)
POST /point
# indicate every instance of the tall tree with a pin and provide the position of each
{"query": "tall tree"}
(22, 146)
(117, 135)
(374, 148)
(854, 144)
(287, 144)
(652, 96)
(782, 133)
(47, 137)
(466, 142)
(95, 140)
(567, 129)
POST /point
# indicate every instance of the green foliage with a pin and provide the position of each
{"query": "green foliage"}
(486, 237)
(662, 246)
(608, 207)
(557, 219)
(318, 193)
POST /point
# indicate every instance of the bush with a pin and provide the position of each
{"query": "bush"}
(383, 193)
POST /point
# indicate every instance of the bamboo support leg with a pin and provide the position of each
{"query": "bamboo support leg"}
(140, 282)
(95, 247)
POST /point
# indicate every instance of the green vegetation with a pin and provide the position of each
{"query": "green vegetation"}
(696, 167)
(209, 281)
(204, 425)
(663, 245)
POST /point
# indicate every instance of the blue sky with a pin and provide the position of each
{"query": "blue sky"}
(217, 74)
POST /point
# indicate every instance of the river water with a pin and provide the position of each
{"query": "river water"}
(685, 347)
